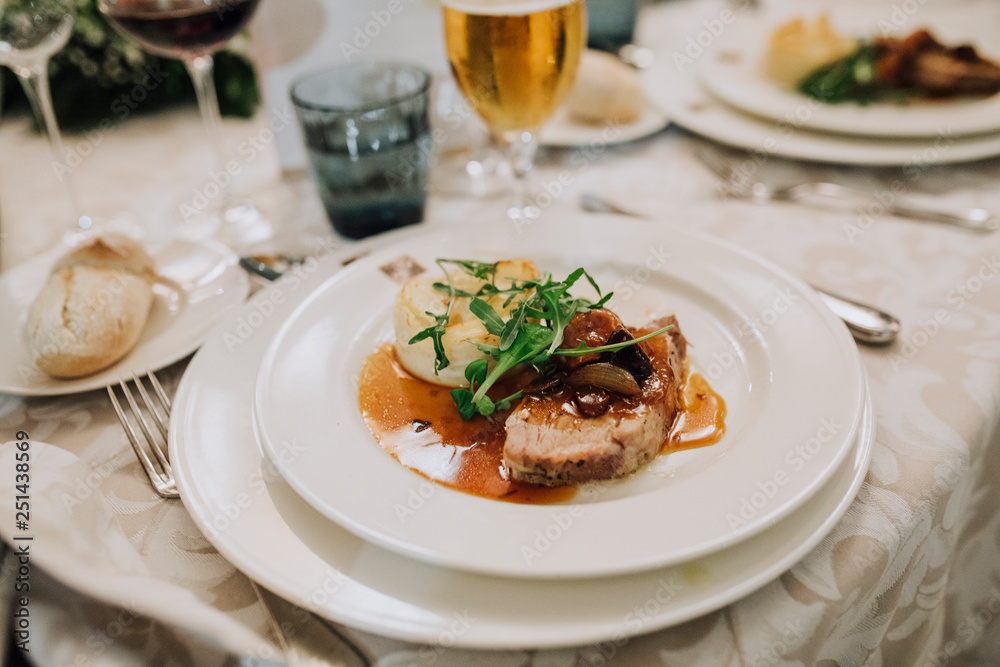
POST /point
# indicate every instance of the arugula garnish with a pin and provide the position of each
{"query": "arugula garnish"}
(530, 335)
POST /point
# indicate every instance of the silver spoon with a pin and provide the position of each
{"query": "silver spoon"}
(867, 324)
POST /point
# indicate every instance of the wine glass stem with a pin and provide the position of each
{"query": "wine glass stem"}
(200, 69)
(35, 82)
(521, 149)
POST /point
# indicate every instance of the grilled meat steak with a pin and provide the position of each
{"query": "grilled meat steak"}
(563, 434)
(920, 62)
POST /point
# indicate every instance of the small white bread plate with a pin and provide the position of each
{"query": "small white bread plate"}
(260, 525)
(733, 73)
(199, 284)
(564, 132)
(787, 368)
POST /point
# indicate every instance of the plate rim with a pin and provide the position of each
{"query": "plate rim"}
(429, 553)
(652, 121)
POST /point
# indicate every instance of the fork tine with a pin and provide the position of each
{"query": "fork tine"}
(153, 443)
(133, 439)
(716, 163)
(161, 424)
(160, 394)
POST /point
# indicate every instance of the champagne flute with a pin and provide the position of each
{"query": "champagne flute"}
(515, 60)
(192, 31)
(31, 32)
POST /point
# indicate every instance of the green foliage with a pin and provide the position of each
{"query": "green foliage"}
(850, 79)
(531, 335)
(100, 77)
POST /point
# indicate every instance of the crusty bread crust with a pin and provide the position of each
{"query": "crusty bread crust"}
(93, 308)
(606, 91)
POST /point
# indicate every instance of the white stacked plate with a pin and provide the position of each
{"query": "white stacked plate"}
(277, 467)
(725, 96)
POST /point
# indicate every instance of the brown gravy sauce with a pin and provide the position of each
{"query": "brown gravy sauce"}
(417, 423)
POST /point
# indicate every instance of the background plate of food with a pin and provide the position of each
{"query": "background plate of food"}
(688, 104)
(785, 367)
(936, 76)
(82, 318)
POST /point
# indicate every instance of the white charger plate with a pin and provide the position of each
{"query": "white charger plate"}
(561, 131)
(733, 73)
(682, 98)
(198, 284)
(260, 525)
(793, 381)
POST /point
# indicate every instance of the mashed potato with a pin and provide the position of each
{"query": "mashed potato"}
(801, 46)
(410, 317)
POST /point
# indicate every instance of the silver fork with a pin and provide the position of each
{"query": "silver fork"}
(758, 192)
(161, 477)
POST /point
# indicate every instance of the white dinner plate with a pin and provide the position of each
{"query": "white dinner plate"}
(733, 73)
(680, 96)
(260, 525)
(198, 284)
(564, 132)
(786, 366)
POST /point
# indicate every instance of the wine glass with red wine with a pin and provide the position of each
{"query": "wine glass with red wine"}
(192, 31)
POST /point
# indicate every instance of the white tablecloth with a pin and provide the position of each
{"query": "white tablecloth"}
(910, 576)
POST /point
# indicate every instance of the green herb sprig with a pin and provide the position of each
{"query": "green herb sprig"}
(851, 79)
(531, 335)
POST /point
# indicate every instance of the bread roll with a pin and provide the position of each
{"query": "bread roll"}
(606, 91)
(93, 307)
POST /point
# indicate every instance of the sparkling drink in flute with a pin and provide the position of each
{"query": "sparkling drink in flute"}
(516, 61)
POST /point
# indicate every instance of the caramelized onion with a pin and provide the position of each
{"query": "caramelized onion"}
(606, 376)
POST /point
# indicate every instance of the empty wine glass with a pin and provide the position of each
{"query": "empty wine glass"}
(193, 30)
(31, 32)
